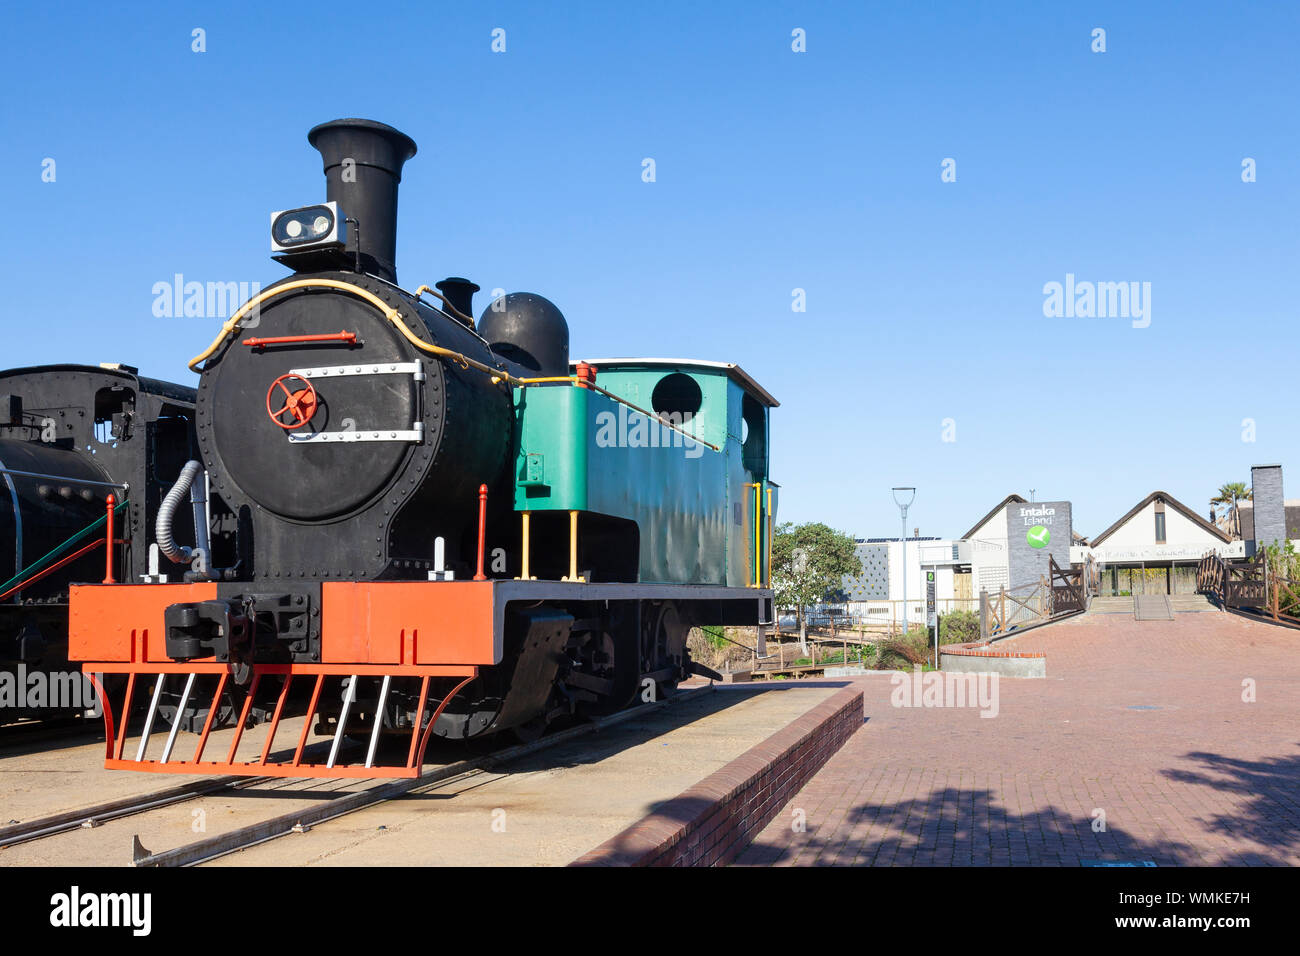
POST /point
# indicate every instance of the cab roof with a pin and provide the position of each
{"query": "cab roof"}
(734, 372)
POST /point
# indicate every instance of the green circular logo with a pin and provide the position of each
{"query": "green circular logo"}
(1038, 536)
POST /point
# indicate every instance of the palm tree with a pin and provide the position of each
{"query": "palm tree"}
(1230, 494)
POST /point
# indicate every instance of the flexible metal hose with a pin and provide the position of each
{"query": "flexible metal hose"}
(167, 511)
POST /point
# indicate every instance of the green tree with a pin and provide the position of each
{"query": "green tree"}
(1229, 494)
(808, 563)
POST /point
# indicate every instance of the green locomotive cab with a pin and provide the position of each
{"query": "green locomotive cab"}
(674, 451)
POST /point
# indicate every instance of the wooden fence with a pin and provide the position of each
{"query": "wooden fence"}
(1210, 574)
(1063, 591)
(1283, 597)
(1239, 584)
(1069, 587)
(1257, 583)
(790, 659)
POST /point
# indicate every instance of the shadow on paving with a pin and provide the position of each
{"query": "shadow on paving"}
(1271, 813)
(967, 827)
(18, 740)
(959, 827)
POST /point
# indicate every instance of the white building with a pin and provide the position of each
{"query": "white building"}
(876, 594)
(989, 552)
(1155, 547)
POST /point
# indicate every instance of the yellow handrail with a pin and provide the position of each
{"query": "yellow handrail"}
(524, 569)
(769, 537)
(393, 316)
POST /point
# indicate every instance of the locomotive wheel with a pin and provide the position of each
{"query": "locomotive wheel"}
(613, 652)
(664, 646)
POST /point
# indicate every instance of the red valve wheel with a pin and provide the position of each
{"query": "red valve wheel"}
(300, 403)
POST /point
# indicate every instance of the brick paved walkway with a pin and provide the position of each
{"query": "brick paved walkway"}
(1200, 777)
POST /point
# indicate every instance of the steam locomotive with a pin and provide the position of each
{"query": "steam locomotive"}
(443, 527)
(71, 438)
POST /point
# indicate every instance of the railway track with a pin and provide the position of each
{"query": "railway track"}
(295, 821)
(95, 815)
(100, 813)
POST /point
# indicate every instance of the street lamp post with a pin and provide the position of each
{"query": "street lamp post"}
(903, 505)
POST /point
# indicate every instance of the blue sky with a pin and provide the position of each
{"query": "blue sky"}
(775, 170)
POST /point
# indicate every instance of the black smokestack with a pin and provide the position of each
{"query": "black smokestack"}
(363, 166)
(460, 293)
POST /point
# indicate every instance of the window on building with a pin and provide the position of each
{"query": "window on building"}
(1160, 526)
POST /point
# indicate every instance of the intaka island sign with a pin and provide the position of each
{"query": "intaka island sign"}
(1036, 530)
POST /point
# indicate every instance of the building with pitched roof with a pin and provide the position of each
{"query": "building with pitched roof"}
(1154, 548)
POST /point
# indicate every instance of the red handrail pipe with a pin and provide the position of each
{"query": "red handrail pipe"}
(108, 541)
(349, 337)
(482, 530)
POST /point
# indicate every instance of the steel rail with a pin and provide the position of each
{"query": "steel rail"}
(99, 813)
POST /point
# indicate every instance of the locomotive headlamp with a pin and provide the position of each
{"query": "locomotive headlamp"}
(320, 225)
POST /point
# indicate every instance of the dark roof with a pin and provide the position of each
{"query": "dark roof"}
(1172, 502)
(731, 369)
(1292, 517)
(152, 386)
(996, 508)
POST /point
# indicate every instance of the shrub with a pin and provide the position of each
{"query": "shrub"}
(959, 627)
(1284, 570)
(903, 653)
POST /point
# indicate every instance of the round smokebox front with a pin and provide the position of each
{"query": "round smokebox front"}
(307, 427)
